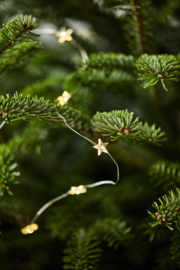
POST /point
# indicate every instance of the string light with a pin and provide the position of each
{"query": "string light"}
(29, 228)
(64, 35)
(101, 147)
(77, 190)
(64, 98)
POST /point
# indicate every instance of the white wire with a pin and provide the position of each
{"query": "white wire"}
(80, 49)
(104, 182)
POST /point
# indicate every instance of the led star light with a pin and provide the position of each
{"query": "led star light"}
(77, 190)
(64, 98)
(64, 35)
(101, 147)
(29, 228)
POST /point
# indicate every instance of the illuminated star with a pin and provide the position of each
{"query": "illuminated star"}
(101, 147)
(64, 35)
(77, 190)
(29, 228)
(64, 98)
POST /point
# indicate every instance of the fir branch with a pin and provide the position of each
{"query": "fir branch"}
(39, 88)
(150, 135)
(168, 211)
(96, 79)
(137, 17)
(23, 142)
(82, 251)
(17, 40)
(14, 56)
(155, 68)
(17, 30)
(29, 108)
(114, 232)
(109, 61)
(137, 25)
(165, 173)
(7, 172)
(116, 124)
(119, 125)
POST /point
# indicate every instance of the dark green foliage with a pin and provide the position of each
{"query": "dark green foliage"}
(105, 61)
(167, 211)
(53, 80)
(116, 124)
(165, 173)
(27, 108)
(150, 135)
(155, 68)
(114, 232)
(17, 40)
(7, 172)
(119, 124)
(122, 39)
(24, 143)
(98, 81)
(13, 56)
(138, 25)
(82, 251)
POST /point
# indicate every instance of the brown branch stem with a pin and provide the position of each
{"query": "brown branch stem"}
(137, 17)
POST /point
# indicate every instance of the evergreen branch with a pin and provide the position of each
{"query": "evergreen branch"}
(168, 210)
(40, 87)
(114, 232)
(155, 68)
(17, 30)
(116, 124)
(23, 142)
(165, 173)
(82, 251)
(109, 61)
(29, 108)
(137, 25)
(7, 172)
(137, 17)
(14, 56)
(150, 135)
(98, 80)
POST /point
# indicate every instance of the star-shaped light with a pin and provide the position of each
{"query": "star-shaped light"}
(101, 147)
(64, 35)
(29, 228)
(77, 190)
(64, 98)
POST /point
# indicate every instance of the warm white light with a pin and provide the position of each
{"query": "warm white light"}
(101, 147)
(77, 190)
(63, 34)
(64, 98)
(29, 228)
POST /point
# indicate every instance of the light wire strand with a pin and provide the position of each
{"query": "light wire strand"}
(80, 49)
(45, 206)
(104, 182)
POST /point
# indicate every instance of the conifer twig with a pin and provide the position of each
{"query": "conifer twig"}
(136, 13)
